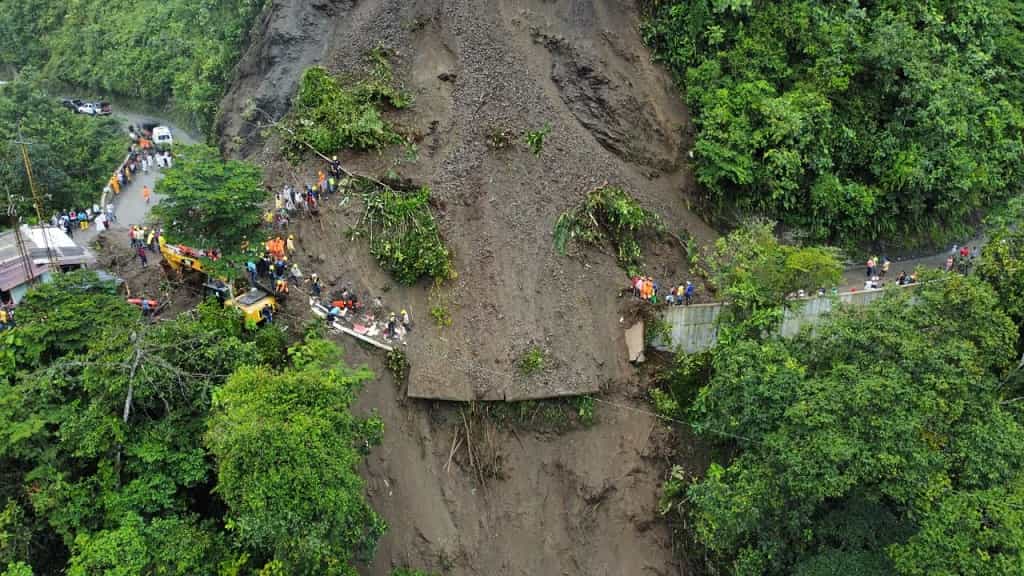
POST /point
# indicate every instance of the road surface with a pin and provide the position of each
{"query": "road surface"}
(129, 206)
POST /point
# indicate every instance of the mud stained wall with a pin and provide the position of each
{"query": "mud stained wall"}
(476, 68)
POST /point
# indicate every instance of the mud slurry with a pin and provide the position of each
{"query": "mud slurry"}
(579, 503)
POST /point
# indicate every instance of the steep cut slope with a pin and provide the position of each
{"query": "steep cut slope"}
(476, 68)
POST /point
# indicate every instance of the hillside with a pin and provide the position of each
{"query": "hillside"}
(476, 68)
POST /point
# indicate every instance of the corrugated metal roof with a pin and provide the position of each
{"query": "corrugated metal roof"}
(66, 253)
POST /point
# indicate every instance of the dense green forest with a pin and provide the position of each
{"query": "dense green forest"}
(72, 155)
(187, 446)
(178, 52)
(851, 122)
(888, 440)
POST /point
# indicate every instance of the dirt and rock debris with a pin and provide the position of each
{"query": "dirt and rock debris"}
(482, 74)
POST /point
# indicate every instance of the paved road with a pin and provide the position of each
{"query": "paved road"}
(129, 206)
(855, 277)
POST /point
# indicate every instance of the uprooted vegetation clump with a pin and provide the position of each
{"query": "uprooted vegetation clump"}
(609, 214)
(402, 231)
(332, 114)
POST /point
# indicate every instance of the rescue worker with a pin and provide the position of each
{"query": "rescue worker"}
(406, 321)
(315, 285)
(281, 287)
(392, 326)
(151, 240)
(290, 245)
(335, 167)
(3, 318)
(333, 314)
(145, 193)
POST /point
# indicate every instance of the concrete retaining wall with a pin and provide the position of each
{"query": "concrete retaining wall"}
(695, 328)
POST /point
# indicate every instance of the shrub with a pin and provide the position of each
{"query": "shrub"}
(609, 214)
(330, 115)
(532, 361)
(535, 139)
(403, 233)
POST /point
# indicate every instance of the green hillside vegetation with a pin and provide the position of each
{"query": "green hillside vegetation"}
(130, 447)
(888, 440)
(72, 156)
(851, 122)
(176, 52)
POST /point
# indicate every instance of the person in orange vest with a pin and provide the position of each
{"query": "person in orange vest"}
(145, 193)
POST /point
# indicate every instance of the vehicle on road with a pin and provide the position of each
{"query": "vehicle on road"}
(186, 263)
(99, 108)
(162, 138)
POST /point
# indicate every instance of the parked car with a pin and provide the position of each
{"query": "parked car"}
(71, 104)
(103, 108)
(87, 108)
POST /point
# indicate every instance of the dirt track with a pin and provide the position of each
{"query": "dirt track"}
(579, 503)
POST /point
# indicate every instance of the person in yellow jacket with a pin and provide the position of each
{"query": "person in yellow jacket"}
(115, 184)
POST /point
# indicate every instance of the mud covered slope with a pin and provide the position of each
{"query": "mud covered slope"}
(475, 68)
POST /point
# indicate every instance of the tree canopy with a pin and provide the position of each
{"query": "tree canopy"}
(851, 122)
(881, 442)
(209, 202)
(113, 462)
(179, 52)
(72, 155)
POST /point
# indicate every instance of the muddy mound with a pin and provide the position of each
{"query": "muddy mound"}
(476, 69)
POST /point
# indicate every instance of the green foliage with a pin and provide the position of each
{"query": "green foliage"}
(102, 423)
(531, 361)
(17, 569)
(609, 214)
(178, 52)
(754, 272)
(72, 156)
(331, 115)
(851, 122)
(410, 572)
(585, 410)
(442, 317)
(677, 384)
(398, 364)
(286, 449)
(210, 202)
(879, 443)
(535, 139)
(656, 329)
(403, 233)
(1002, 267)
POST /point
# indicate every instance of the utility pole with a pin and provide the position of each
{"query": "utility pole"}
(37, 202)
(19, 240)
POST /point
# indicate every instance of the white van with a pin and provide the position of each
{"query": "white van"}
(162, 137)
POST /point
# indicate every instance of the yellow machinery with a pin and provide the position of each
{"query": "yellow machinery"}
(184, 260)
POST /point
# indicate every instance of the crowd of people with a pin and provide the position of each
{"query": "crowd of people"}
(142, 157)
(647, 289)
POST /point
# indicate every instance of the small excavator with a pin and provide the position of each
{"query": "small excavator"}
(182, 261)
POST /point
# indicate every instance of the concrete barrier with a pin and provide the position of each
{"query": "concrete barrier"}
(695, 328)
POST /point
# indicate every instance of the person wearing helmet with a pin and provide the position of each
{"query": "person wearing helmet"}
(315, 285)
(335, 167)
(392, 326)
(406, 321)
(290, 244)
